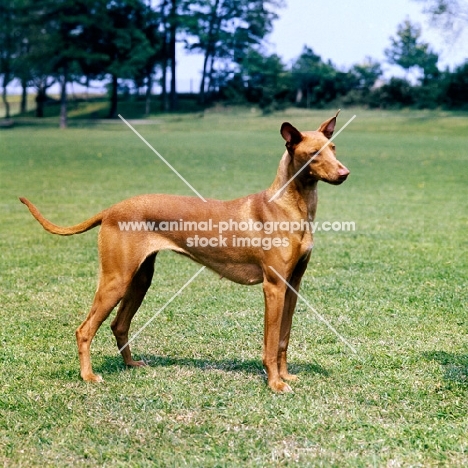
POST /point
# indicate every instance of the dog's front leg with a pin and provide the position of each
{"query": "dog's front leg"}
(288, 312)
(274, 291)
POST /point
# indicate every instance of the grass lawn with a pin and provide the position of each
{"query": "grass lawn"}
(15, 105)
(395, 288)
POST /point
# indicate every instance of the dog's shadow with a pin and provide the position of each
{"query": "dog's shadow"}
(114, 364)
(455, 366)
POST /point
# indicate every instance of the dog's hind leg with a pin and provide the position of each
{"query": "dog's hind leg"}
(108, 295)
(128, 307)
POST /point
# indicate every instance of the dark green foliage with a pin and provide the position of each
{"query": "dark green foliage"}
(225, 31)
(408, 51)
(457, 87)
(11, 45)
(262, 80)
(316, 81)
(396, 93)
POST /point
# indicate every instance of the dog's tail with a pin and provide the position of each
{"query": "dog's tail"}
(63, 231)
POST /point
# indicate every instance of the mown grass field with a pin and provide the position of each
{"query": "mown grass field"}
(396, 289)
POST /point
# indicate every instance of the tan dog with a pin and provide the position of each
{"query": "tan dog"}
(250, 240)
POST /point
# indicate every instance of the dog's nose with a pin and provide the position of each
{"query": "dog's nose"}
(343, 173)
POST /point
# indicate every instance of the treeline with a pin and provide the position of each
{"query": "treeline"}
(45, 42)
(132, 44)
(313, 82)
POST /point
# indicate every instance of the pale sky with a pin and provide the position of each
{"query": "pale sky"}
(341, 30)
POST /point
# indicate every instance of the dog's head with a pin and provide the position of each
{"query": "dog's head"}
(315, 151)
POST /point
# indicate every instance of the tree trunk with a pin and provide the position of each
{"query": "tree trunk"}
(210, 48)
(201, 97)
(210, 75)
(164, 97)
(172, 54)
(165, 46)
(149, 85)
(24, 97)
(114, 98)
(63, 100)
(40, 100)
(6, 80)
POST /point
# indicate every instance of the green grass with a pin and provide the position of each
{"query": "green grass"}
(15, 105)
(396, 288)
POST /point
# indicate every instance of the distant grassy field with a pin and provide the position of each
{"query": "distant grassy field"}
(15, 104)
(395, 288)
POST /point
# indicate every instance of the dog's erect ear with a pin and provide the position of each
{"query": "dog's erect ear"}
(291, 134)
(328, 127)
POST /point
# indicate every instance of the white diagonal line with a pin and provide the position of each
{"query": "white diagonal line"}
(162, 308)
(315, 312)
(162, 159)
(310, 160)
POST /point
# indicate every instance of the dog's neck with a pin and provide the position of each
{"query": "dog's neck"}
(305, 195)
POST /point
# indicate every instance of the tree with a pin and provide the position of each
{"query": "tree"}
(10, 41)
(156, 41)
(457, 87)
(366, 73)
(115, 43)
(263, 79)
(94, 38)
(22, 71)
(225, 30)
(173, 26)
(318, 81)
(164, 53)
(398, 92)
(34, 65)
(57, 47)
(408, 51)
(205, 25)
(16, 26)
(360, 81)
(171, 18)
(129, 51)
(6, 52)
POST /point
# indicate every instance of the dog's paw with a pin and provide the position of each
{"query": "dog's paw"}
(92, 378)
(290, 377)
(133, 363)
(278, 386)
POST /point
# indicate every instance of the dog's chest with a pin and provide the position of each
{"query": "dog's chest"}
(246, 274)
